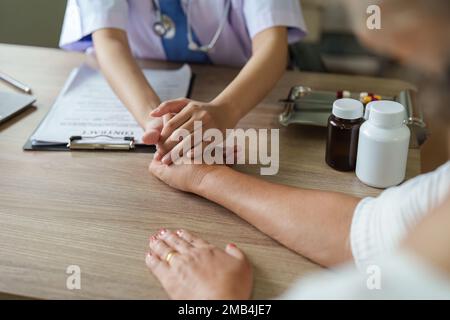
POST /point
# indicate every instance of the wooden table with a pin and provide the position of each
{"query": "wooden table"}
(97, 210)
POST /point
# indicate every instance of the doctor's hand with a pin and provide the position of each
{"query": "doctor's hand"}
(152, 131)
(153, 128)
(189, 268)
(185, 113)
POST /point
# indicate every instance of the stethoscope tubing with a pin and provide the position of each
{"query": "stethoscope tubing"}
(161, 28)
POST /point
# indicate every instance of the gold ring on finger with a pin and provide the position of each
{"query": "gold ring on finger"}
(170, 256)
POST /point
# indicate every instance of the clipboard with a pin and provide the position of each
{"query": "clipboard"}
(128, 145)
(76, 143)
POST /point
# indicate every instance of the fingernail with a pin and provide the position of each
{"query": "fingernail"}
(148, 257)
(179, 232)
(152, 238)
(232, 245)
(162, 232)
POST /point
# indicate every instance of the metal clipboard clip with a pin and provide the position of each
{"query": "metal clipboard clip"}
(88, 143)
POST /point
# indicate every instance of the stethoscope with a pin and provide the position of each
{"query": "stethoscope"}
(165, 27)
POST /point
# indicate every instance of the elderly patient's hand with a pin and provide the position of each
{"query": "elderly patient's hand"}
(185, 177)
(190, 268)
(188, 177)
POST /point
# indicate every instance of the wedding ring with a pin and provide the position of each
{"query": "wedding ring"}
(170, 256)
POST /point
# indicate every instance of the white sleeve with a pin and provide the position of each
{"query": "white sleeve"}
(400, 275)
(83, 17)
(379, 224)
(264, 14)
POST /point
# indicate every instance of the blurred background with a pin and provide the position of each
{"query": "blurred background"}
(36, 22)
(330, 46)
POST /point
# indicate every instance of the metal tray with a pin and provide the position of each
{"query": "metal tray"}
(306, 106)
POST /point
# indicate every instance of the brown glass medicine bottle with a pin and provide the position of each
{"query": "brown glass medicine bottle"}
(343, 134)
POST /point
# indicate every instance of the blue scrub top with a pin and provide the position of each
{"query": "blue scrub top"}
(246, 19)
(177, 48)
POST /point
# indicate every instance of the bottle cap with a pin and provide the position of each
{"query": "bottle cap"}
(349, 109)
(386, 114)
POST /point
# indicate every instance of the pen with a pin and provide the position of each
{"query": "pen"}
(15, 83)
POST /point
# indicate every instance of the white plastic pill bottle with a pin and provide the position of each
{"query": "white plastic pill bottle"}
(383, 145)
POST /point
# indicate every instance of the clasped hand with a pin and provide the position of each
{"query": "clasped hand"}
(183, 114)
